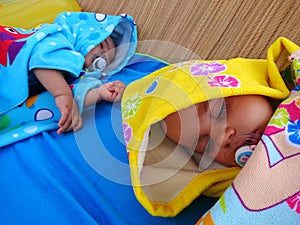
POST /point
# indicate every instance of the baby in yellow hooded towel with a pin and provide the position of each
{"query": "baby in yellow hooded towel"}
(217, 107)
(225, 130)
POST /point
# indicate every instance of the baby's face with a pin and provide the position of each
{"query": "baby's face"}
(217, 127)
(105, 49)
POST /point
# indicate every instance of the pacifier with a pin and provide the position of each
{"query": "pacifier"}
(247, 143)
(243, 154)
(99, 64)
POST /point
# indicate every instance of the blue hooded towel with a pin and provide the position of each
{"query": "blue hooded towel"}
(62, 46)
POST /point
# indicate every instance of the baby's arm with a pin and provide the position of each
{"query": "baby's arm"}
(111, 92)
(55, 83)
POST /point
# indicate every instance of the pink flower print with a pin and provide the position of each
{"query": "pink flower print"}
(204, 69)
(223, 80)
(294, 202)
(127, 132)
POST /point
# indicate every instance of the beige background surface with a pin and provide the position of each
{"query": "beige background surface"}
(211, 29)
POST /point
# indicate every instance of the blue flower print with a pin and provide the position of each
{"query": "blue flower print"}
(293, 129)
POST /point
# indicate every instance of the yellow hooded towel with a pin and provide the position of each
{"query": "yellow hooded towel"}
(165, 176)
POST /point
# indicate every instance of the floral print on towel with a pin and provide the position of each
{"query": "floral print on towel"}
(211, 71)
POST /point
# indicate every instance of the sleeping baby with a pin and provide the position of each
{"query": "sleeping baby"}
(190, 127)
(79, 49)
(54, 82)
(220, 127)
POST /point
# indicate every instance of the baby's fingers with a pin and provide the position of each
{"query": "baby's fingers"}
(117, 87)
(63, 118)
(65, 123)
(119, 84)
(76, 122)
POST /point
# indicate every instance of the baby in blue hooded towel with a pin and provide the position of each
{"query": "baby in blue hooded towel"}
(79, 49)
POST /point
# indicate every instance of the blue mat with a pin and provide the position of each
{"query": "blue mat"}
(82, 177)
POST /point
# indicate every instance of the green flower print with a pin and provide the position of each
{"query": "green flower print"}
(130, 106)
(280, 118)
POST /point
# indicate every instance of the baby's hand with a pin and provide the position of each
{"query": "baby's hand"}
(70, 117)
(112, 91)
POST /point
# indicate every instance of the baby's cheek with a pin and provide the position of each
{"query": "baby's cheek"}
(226, 157)
(87, 59)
